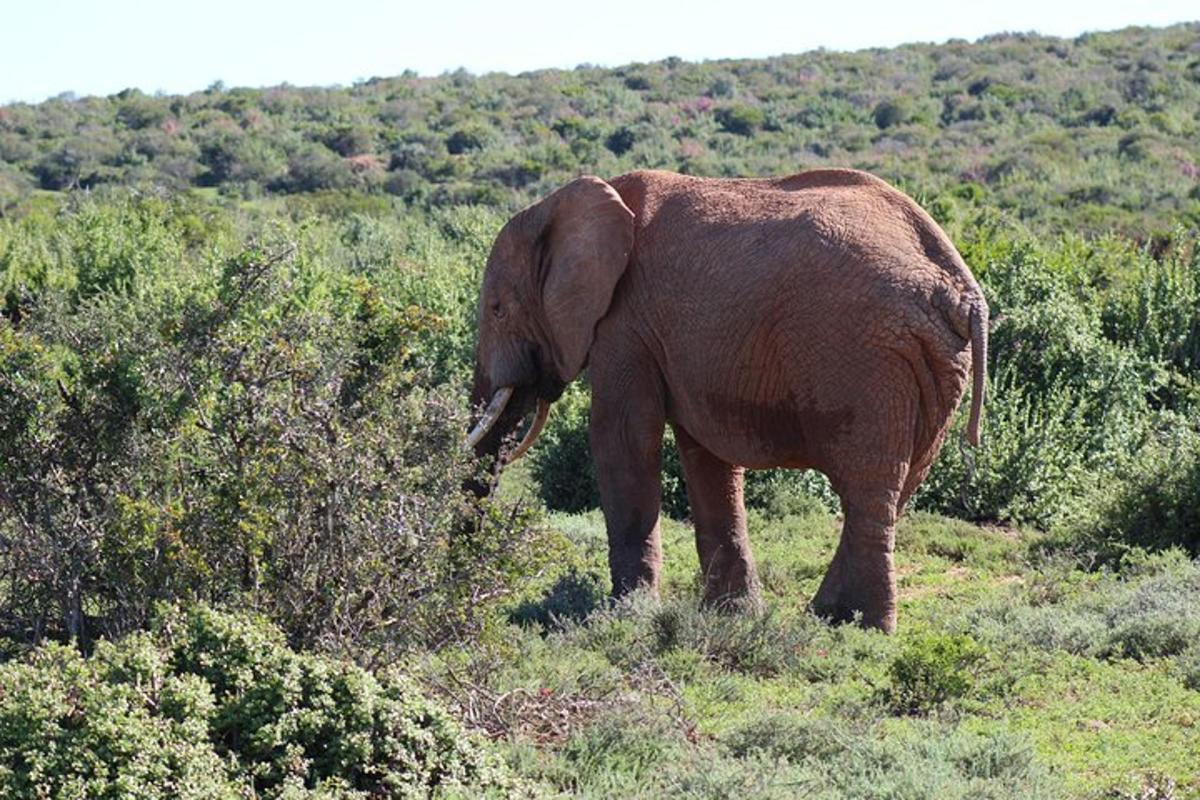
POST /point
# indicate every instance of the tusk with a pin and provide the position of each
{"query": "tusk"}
(531, 435)
(490, 415)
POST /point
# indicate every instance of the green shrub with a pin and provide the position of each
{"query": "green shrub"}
(1153, 614)
(779, 493)
(269, 427)
(832, 758)
(1072, 397)
(621, 141)
(889, 113)
(1155, 506)
(214, 705)
(562, 462)
(1029, 468)
(463, 140)
(14, 187)
(637, 629)
(89, 728)
(789, 736)
(1188, 664)
(1159, 314)
(243, 160)
(741, 120)
(960, 542)
(932, 670)
(762, 644)
(1047, 627)
(312, 168)
(934, 761)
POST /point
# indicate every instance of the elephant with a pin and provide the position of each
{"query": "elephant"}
(817, 321)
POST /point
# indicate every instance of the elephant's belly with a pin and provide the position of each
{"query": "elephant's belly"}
(796, 392)
(785, 432)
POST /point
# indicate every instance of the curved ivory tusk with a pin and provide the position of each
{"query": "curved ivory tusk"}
(494, 409)
(535, 429)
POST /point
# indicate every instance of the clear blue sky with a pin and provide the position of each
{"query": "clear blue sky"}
(103, 46)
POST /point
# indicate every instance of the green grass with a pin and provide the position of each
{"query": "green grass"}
(659, 699)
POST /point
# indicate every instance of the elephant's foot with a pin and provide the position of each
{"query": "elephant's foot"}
(750, 602)
(733, 587)
(863, 585)
(635, 572)
(623, 588)
(635, 561)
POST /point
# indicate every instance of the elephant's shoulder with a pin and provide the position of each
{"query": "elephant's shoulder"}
(645, 190)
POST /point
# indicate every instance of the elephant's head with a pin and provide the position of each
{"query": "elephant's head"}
(549, 279)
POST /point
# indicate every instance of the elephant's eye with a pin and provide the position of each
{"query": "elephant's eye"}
(498, 311)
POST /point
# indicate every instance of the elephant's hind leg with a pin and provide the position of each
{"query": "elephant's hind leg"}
(869, 468)
(719, 514)
(862, 575)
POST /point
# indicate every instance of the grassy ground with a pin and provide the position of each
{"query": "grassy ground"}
(1011, 676)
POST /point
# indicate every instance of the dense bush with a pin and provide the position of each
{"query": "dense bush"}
(742, 120)
(270, 425)
(216, 706)
(1155, 506)
(14, 188)
(561, 463)
(1080, 398)
(1094, 133)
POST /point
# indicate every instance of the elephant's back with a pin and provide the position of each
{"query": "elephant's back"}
(839, 233)
(848, 213)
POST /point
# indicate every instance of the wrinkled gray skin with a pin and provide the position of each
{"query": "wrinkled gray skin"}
(820, 321)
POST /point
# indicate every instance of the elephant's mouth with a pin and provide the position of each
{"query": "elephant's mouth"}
(507, 408)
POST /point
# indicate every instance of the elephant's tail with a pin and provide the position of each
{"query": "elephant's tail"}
(979, 344)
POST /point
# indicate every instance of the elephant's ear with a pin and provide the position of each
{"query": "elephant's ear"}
(585, 245)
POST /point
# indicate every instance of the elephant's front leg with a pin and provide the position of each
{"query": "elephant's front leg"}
(715, 490)
(626, 429)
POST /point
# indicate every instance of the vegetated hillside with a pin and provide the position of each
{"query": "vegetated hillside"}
(1097, 132)
(217, 401)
